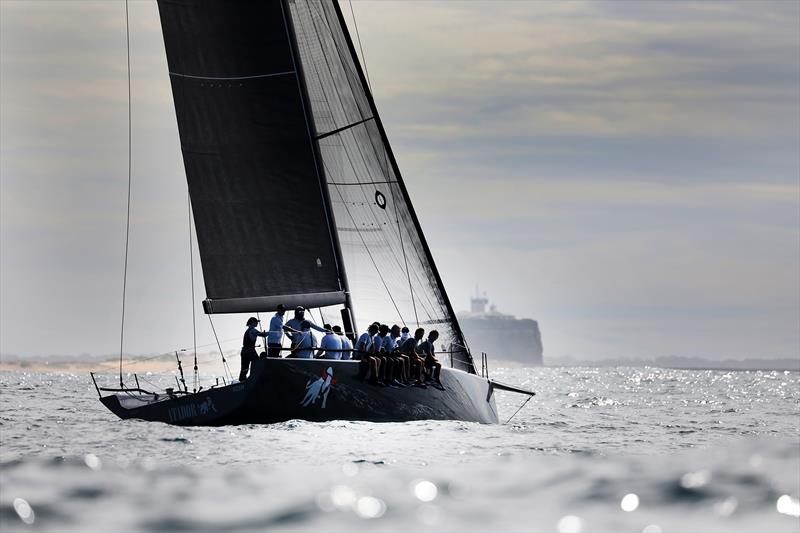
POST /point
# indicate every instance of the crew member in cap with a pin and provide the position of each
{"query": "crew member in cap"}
(294, 329)
(275, 337)
(249, 346)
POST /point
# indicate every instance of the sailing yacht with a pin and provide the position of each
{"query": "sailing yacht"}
(298, 200)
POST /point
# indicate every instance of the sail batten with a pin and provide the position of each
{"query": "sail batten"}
(343, 128)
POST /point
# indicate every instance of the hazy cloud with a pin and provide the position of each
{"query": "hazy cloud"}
(626, 172)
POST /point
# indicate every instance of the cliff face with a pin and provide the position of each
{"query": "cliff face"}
(503, 338)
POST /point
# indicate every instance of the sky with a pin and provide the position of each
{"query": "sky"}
(626, 173)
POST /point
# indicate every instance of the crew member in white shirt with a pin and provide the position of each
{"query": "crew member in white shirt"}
(306, 342)
(347, 345)
(364, 342)
(293, 327)
(275, 337)
(331, 345)
(404, 360)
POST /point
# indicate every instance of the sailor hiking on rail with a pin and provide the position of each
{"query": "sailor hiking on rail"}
(409, 349)
(432, 365)
(370, 365)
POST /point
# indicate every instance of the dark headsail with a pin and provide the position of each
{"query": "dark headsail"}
(262, 224)
(290, 173)
(392, 273)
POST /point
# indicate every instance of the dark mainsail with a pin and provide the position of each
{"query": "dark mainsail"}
(263, 228)
(291, 176)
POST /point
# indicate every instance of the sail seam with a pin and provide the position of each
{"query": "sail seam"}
(391, 257)
(232, 77)
(369, 253)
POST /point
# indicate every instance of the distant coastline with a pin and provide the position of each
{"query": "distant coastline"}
(105, 363)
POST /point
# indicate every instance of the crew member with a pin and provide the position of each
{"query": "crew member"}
(428, 351)
(331, 345)
(405, 335)
(409, 348)
(275, 337)
(293, 327)
(306, 342)
(382, 348)
(404, 360)
(249, 346)
(347, 345)
(370, 364)
(364, 343)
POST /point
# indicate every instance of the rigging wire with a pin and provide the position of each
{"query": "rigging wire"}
(170, 353)
(128, 219)
(363, 57)
(258, 317)
(191, 276)
(520, 409)
(221, 353)
(405, 257)
(322, 318)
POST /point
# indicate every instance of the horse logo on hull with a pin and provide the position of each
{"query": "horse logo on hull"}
(319, 387)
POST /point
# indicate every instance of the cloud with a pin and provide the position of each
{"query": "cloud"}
(625, 172)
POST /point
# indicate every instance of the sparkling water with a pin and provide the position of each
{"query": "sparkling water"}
(623, 449)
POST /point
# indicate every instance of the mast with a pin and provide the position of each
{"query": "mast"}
(312, 137)
(401, 184)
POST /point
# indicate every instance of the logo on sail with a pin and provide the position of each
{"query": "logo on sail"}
(319, 387)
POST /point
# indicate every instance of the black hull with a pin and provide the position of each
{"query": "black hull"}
(316, 390)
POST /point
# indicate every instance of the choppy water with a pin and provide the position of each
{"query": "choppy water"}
(680, 450)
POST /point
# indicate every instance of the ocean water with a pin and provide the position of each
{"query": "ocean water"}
(612, 449)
